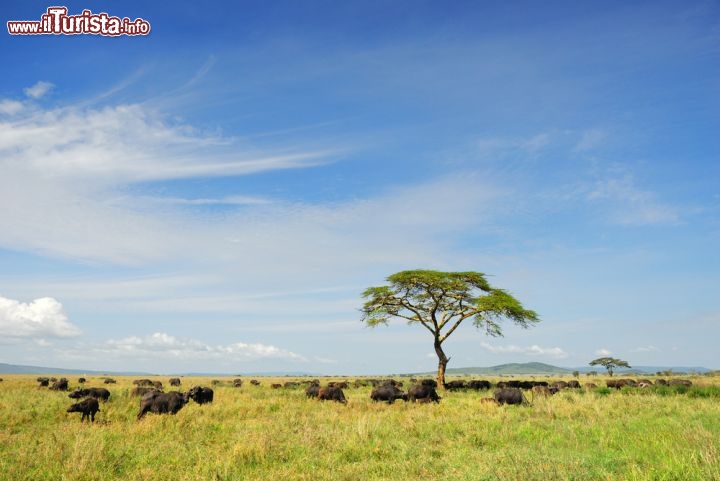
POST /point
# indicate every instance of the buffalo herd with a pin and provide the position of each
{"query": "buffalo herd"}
(511, 392)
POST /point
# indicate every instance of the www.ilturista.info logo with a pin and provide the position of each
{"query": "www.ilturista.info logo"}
(57, 22)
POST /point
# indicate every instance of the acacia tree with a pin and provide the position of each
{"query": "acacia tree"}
(440, 302)
(610, 363)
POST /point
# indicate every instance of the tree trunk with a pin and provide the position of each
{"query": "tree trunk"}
(442, 364)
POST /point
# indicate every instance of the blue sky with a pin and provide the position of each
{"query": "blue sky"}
(216, 195)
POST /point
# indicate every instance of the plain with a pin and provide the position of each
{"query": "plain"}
(257, 432)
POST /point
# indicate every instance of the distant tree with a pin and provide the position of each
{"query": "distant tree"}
(576, 373)
(440, 302)
(609, 363)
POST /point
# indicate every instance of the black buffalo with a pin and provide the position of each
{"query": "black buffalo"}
(201, 395)
(312, 390)
(162, 403)
(479, 384)
(96, 392)
(332, 393)
(388, 393)
(88, 407)
(509, 396)
(453, 385)
(423, 393)
(60, 385)
(142, 390)
(44, 381)
(174, 381)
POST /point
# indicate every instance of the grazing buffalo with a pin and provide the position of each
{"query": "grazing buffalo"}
(96, 392)
(142, 390)
(453, 385)
(174, 381)
(237, 382)
(680, 382)
(510, 396)
(541, 391)
(109, 380)
(429, 382)
(143, 382)
(423, 393)
(60, 385)
(82, 380)
(478, 385)
(162, 403)
(574, 384)
(332, 393)
(44, 381)
(88, 407)
(254, 382)
(201, 395)
(388, 393)
(312, 390)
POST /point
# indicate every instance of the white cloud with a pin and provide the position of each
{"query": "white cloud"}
(603, 352)
(38, 90)
(10, 107)
(534, 350)
(646, 349)
(40, 318)
(162, 346)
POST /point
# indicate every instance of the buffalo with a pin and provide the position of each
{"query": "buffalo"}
(478, 384)
(542, 391)
(60, 385)
(680, 382)
(43, 381)
(162, 403)
(429, 382)
(142, 390)
(174, 381)
(200, 395)
(88, 407)
(423, 393)
(332, 393)
(96, 392)
(312, 390)
(453, 385)
(510, 396)
(388, 393)
(237, 382)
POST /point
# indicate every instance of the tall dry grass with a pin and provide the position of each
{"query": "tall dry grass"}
(262, 433)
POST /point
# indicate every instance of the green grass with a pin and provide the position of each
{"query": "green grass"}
(261, 433)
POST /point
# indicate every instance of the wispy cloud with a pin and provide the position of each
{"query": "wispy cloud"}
(534, 350)
(589, 140)
(38, 90)
(603, 352)
(630, 205)
(10, 107)
(161, 345)
(646, 349)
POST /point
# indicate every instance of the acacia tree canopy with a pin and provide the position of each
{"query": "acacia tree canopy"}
(440, 302)
(610, 363)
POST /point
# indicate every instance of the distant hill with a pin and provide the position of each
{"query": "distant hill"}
(511, 369)
(538, 368)
(18, 369)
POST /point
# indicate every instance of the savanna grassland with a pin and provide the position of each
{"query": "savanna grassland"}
(255, 432)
